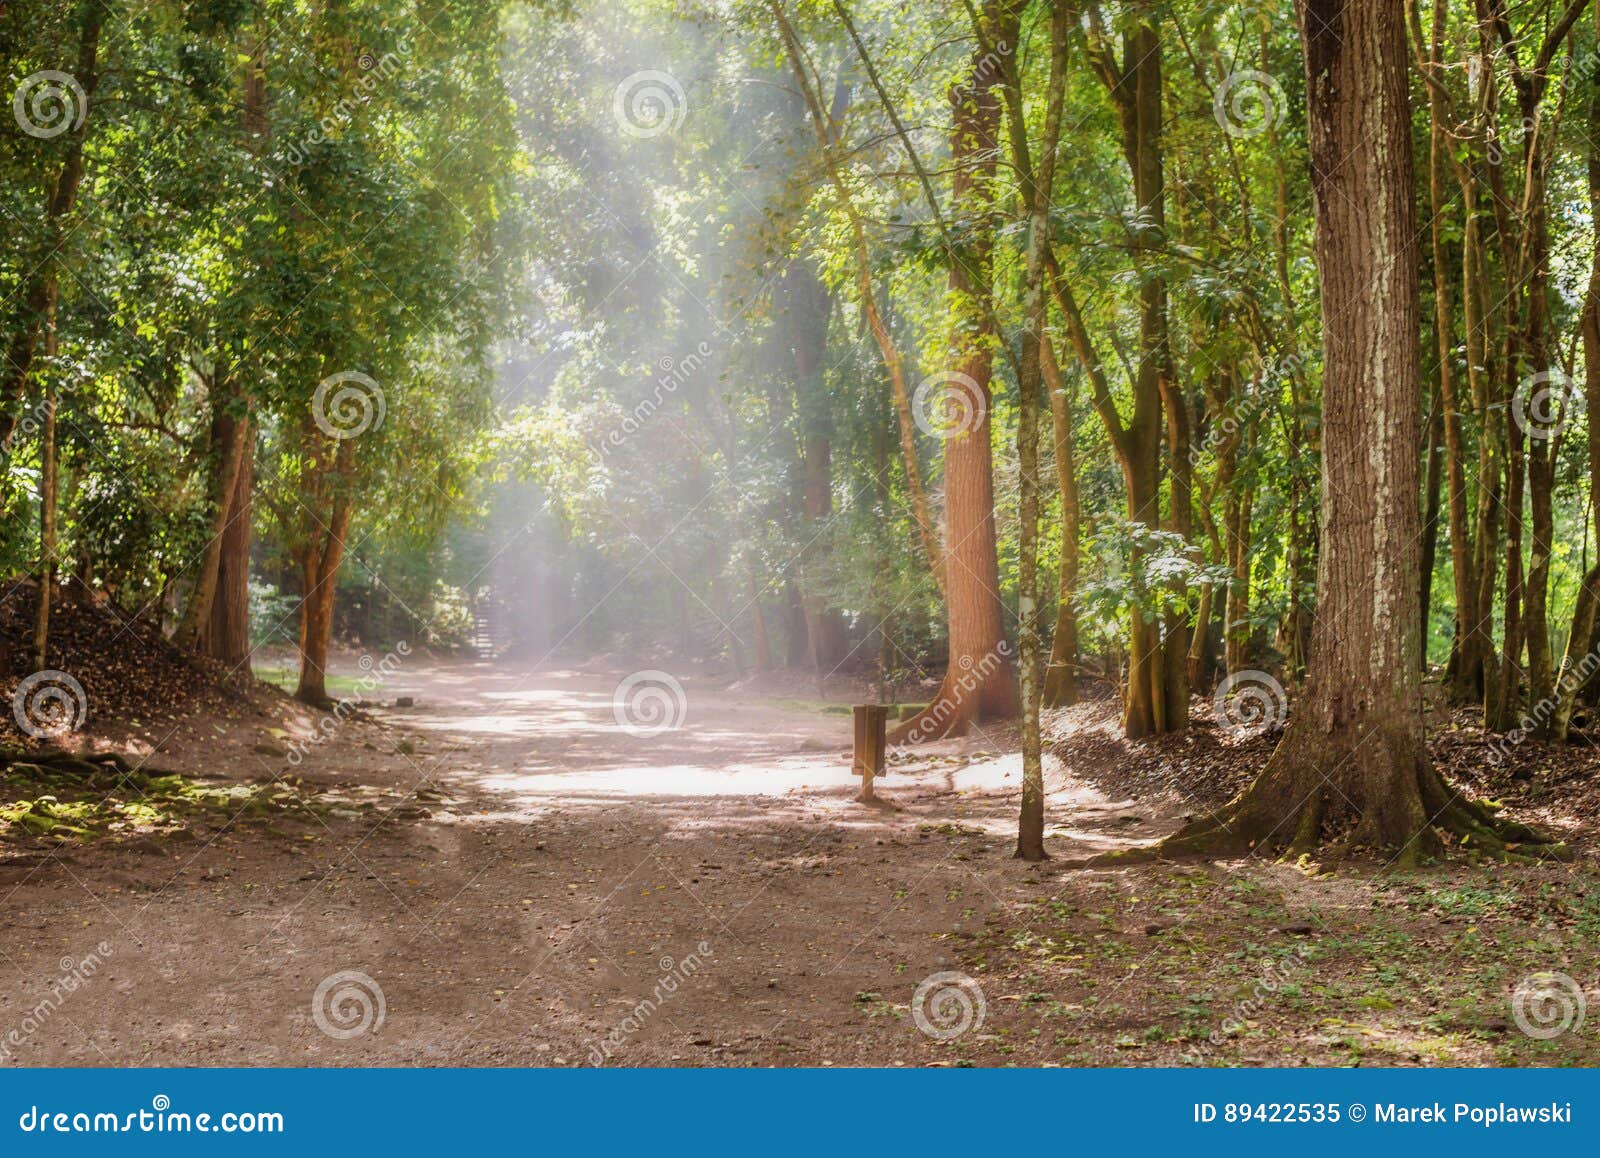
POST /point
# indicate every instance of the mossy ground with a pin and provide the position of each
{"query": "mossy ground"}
(70, 801)
(1253, 964)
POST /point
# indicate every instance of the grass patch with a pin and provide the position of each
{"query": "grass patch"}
(66, 800)
(288, 678)
(1187, 968)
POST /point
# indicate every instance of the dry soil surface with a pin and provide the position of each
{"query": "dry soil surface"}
(559, 888)
(539, 883)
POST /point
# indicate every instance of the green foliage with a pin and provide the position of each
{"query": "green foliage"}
(598, 362)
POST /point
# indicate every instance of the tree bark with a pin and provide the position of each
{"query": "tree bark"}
(1061, 676)
(980, 682)
(227, 458)
(325, 487)
(1030, 378)
(228, 636)
(1353, 759)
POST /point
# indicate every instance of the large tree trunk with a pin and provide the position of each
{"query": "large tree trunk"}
(325, 523)
(1158, 694)
(227, 458)
(1353, 760)
(320, 572)
(979, 680)
(228, 637)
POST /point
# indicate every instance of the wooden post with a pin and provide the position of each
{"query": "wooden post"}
(871, 722)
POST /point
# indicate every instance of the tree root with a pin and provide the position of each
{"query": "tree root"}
(929, 724)
(1477, 834)
(1390, 803)
(968, 693)
(1482, 833)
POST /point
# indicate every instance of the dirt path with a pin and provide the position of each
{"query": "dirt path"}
(573, 892)
(530, 882)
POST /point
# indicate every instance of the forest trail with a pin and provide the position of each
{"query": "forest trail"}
(547, 873)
